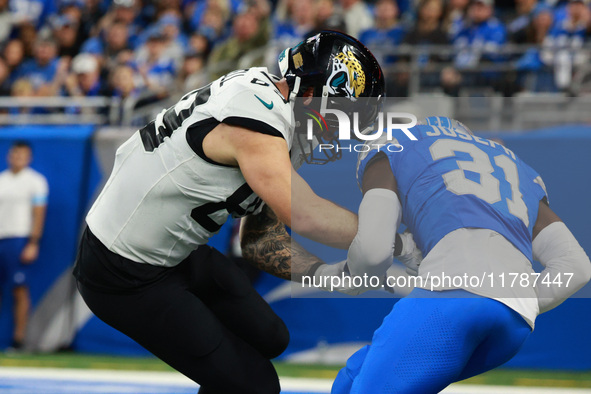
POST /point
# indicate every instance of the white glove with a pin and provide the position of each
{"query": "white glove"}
(411, 255)
(336, 277)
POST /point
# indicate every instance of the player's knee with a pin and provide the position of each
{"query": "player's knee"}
(260, 379)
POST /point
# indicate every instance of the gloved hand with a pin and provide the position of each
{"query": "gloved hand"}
(410, 255)
(336, 277)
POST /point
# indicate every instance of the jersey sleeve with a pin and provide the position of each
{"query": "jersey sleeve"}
(253, 102)
(40, 191)
(537, 186)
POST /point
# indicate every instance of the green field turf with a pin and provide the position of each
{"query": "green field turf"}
(507, 377)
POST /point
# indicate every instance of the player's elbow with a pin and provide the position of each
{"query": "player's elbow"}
(580, 267)
(585, 269)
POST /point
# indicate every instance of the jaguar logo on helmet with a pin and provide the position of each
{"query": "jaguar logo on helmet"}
(348, 76)
(333, 71)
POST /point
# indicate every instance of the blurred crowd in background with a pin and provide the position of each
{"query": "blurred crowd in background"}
(154, 48)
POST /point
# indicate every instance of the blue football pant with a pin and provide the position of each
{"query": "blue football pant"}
(430, 340)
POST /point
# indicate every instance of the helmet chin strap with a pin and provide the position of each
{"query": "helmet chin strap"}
(296, 89)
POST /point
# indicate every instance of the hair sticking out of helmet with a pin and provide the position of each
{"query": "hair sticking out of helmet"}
(444, 121)
(342, 74)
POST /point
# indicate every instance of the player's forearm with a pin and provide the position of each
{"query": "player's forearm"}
(372, 250)
(567, 270)
(318, 219)
(38, 222)
(267, 245)
(325, 222)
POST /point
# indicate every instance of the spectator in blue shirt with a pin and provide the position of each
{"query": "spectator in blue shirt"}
(296, 28)
(478, 42)
(176, 41)
(481, 36)
(85, 77)
(42, 69)
(386, 34)
(220, 10)
(563, 43)
(455, 13)
(156, 68)
(122, 11)
(32, 11)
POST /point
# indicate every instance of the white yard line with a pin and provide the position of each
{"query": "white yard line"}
(287, 384)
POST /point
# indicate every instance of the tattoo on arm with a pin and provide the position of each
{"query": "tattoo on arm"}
(267, 245)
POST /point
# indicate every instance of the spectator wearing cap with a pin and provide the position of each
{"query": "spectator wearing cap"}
(65, 30)
(85, 77)
(168, 26)
(155, 67)
(387, 32)
(76, 11)
(357, 16)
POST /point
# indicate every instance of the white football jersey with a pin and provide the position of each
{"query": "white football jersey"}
(164, 197)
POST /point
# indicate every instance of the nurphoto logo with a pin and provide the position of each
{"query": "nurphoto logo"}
(386, 122)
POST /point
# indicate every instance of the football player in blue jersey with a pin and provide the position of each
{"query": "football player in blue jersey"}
(478, 214)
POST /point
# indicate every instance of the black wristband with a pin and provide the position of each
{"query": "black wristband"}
(313, 268)
(398, 245)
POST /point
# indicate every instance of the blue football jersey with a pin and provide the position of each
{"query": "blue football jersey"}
(449, 180)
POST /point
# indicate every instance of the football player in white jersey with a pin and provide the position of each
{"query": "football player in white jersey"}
(143, 265)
